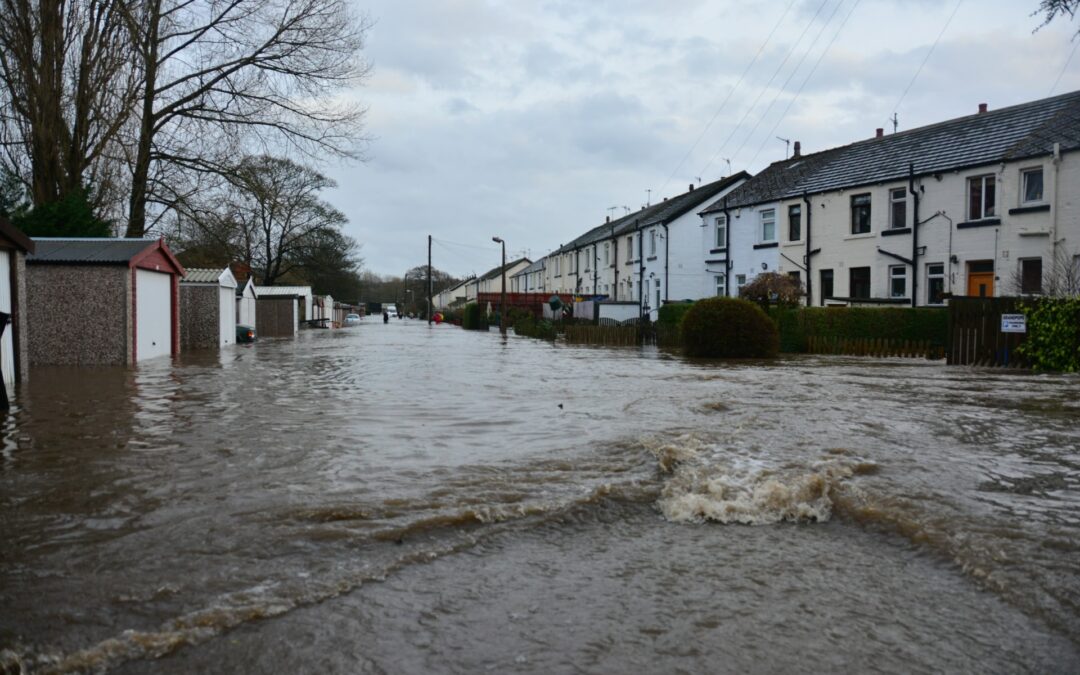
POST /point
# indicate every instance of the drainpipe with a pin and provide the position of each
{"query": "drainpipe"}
(595, 270)
(615, 257)
(667, 258)
(727, 250)
(809, 275)
(641, 268)
(1054, 209)
(914, 235)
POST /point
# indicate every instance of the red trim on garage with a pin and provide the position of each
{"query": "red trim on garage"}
(134, 318)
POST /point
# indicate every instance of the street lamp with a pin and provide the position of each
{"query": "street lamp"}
(502, 299)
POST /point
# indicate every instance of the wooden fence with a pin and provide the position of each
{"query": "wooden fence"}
(872, 347)
(975, 337)
(611, 336)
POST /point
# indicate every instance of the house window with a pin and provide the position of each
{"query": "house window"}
(859, 282)
(721, 285)
(935, 284)
(898, 281)
(981, 194)
(720, 240)
(794, 222)
(860, 214)
(1031, 276)
(740, 281)
(796, 277)
(652, 241)
(1032, 185)
(898, 208)
(629, 248)
(607, 253)
(826, 285)
(768, 225)
(558, 266)
(658, 293)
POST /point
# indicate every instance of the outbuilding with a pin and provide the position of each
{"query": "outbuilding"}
(246, 300)
(279, 309)
(102, 301)
(207, 309)
(14, 245)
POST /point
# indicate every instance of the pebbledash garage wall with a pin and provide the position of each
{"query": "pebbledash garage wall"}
(102, 301)
(207, 309)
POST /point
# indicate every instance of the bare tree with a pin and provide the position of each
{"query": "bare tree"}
(1052, 9)
(1059, 277)
(68, 87)
(223, 76)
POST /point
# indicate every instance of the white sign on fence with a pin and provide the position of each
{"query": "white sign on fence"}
(1013, 323)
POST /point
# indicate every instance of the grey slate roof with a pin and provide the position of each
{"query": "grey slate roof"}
(497, 271)
(535, 267)
(1008, 134)
(199, 275)
(88, 251)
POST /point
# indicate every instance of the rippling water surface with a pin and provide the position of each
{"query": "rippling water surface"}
(404, 498)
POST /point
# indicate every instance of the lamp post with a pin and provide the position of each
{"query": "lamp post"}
(502, 298)
(408, 292)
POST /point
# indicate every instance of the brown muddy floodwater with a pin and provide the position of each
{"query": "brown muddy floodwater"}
(410, 499)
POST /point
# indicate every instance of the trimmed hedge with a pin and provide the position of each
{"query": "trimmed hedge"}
(872, 323)
(729, 328)
(473, 317)
(671, 314)
(1053, 339)
(530, 326)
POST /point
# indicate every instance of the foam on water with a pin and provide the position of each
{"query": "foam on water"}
(705, 483)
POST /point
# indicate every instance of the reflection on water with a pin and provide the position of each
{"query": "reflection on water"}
(428, 488)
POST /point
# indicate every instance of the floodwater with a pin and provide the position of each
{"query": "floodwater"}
(411, 499)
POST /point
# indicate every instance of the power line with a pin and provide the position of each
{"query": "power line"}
(807, 78)
(795, 70)
(1076, 43)
(708, 126)
(764, 89)
(927, 57)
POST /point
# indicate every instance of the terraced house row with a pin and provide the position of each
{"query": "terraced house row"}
(981, 205)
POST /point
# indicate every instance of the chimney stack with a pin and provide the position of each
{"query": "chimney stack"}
(607, 219)
(798, 150)
(691, 188)
(982, 108)
(880, 133)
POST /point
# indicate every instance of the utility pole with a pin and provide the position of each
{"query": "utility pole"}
(429, 279)
(502, 299)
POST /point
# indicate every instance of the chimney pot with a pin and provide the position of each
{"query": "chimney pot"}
(691, 187)
(880, 133)
(798, 149)
(607, 219)
(982, 108)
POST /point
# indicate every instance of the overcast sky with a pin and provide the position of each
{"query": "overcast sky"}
(528, 120)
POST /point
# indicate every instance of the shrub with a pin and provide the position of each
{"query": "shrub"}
(920, 324)
(729, 328)
(473, 317)
(671, 314)
(1053, 340)
(773, 288)
(529, 326)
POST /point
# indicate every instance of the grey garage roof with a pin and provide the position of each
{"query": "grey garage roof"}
(92, 251)
(199, 275)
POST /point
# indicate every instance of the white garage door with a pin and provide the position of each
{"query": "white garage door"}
(153, 314)
(7, 353)
(227, 315)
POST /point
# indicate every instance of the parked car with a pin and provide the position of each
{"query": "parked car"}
(352, 320)
(244, 333)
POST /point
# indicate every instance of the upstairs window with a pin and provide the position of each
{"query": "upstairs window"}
(898, 208)
(720, 232)
(860, 214)
(794, 222)
(652, 241)
(607, 253)
(629, 248)
(981, 197)
(768, 225)
(1032, 186)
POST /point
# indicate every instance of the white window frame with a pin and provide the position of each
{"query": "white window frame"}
(766, 216)
(898, 272)
(797, 208)
(720, 232)
(652, 242)
(1024, 173)
(658, 294)
(982, 182)
(930, 276)
(607, 253)
(630, 248)
(721, 285)
(893, 192)
(740, 281)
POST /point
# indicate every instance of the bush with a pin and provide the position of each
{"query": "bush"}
(528, 326)
(773, 288)
(473, 317)
(799, 324)
(1053, 340)
(729, 328)
(671, 314)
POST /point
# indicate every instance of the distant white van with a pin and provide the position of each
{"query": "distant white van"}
(391, 309)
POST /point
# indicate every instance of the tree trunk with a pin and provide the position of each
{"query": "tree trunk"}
(141, 170)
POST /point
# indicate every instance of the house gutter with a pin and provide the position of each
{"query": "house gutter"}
(615, 258)
(914, 235)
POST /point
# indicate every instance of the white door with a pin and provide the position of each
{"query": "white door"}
(7, 351)
(153, 314)
(227, 315)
